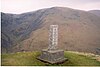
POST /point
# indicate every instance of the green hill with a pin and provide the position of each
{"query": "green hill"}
(29, 59)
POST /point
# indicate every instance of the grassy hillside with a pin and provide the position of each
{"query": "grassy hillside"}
(29, 59)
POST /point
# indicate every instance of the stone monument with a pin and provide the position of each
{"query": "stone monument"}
(52, 54)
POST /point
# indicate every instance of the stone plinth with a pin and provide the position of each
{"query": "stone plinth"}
(55, 56)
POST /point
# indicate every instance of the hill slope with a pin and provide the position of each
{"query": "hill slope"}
(96, 12)
(78, 30)
(29, 59)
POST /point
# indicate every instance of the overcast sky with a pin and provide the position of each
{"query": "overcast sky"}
(21, 6)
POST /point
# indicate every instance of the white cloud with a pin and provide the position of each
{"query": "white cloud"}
(20, 6)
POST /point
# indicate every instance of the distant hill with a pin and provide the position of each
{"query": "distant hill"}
(78, 30)
(96, 12)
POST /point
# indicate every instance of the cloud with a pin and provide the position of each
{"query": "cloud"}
(20, 6)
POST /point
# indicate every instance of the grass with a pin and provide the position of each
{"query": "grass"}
(29, 59)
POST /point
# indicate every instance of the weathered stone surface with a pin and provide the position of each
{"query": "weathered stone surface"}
(55, 56)
(53, 37)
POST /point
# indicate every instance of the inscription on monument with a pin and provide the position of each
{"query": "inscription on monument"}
(53, 37)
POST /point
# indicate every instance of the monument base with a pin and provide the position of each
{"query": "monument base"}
(56, 56)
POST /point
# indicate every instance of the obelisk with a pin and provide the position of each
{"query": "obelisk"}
(52, 54)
